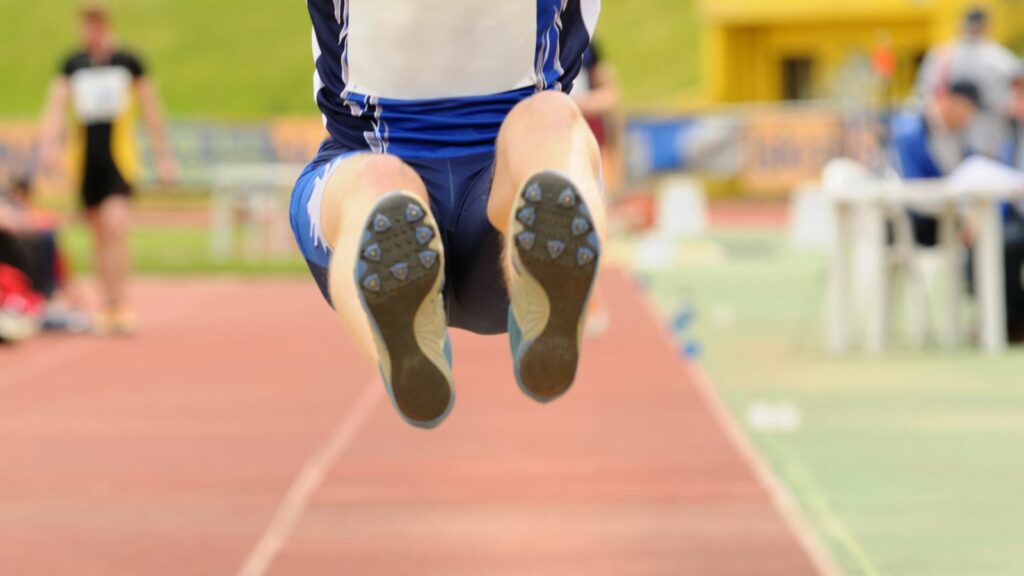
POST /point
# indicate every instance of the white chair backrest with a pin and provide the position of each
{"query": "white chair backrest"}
(255, 179)
(843, 174)
(811, 221)
(681, 207)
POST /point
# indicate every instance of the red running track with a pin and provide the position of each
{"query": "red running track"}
(241, 434)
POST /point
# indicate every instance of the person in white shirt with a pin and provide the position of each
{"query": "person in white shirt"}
(974, 57)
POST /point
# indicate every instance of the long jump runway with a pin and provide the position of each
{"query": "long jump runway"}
(241, 435)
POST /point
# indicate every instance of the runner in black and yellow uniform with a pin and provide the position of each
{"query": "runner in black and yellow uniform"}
(100, 83)
(104, 149)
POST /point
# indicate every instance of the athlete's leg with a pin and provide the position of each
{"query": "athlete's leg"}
(109, 222)
(545, 132)
(547, 200)
(354, 188)
(385, 279)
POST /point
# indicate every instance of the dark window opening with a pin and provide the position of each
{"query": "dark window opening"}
(798, 78)
(918, 61)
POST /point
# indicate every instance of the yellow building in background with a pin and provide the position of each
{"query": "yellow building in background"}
(767, 50)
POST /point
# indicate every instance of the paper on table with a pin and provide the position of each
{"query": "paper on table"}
(980, 174)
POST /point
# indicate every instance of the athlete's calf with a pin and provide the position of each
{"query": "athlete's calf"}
(547, 200)
(386, 276)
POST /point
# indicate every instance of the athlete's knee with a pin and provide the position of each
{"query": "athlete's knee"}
(550, 110)
(384, 173)
(357, 182)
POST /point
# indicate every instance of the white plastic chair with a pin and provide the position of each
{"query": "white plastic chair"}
(913, 270)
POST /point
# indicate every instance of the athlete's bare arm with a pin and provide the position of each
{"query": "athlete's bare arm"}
(51, 129)
(604, 95)
(152, 113)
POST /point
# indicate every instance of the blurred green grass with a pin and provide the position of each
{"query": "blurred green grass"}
(906, 465)
(244, 60)
(173, 250)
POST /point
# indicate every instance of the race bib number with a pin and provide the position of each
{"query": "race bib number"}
(441, 48)
(100, 94)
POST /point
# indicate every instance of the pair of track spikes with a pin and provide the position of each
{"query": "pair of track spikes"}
(400, 276)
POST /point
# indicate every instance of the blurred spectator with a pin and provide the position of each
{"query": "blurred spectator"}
(36, 233)
(598, 94)
(1014, 256)
(1015, 219)
(21, 305)
(100, 83)
(932, 143)
(975, 58)
(1015, 151)
(31, 248)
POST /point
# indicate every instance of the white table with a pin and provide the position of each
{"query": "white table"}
(261, 191)
(872, 204)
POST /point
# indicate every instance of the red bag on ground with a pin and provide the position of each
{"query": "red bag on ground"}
(16, 293)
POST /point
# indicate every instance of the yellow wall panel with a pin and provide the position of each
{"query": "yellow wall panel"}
(748, 40)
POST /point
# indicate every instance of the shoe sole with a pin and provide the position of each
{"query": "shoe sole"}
(556, 255)
(15, 329)
(399, 275)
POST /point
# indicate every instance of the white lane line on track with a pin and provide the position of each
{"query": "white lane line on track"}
(781, 498)
(296, 501)
(817, 502)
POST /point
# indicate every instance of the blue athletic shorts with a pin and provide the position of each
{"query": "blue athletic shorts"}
(475, 294)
